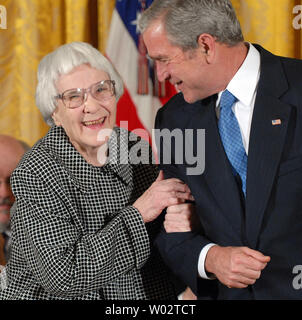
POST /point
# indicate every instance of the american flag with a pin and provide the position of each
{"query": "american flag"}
(276, 122)
(125, 49)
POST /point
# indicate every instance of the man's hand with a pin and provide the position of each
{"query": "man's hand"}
(181, 218)
(235, 267)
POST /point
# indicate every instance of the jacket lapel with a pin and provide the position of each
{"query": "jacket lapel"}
(218, 174)
(266, 142)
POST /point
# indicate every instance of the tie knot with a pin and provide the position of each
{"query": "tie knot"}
(227, 99)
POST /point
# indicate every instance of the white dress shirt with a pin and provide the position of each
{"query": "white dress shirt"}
(244, 87)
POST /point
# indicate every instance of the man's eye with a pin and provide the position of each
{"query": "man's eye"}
(164, 61)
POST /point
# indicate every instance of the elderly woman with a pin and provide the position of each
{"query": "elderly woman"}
(85, 215)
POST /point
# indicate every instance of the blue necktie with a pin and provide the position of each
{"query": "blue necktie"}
(231, 137)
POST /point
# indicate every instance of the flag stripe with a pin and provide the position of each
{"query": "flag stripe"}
(122, 51)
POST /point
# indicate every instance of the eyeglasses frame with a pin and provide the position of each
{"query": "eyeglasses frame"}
(86, 91)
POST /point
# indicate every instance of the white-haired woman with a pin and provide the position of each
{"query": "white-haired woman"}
(82, 228)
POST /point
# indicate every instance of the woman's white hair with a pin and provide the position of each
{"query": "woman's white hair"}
(62, 61)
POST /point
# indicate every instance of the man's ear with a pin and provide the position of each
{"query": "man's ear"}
(55, 118)
(206, 43)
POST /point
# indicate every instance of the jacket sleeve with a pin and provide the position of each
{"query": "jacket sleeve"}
(67, 261)
(179, 250)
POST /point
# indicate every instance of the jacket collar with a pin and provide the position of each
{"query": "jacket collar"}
(81, 173)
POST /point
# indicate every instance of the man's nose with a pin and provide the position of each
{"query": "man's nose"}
(162, 72)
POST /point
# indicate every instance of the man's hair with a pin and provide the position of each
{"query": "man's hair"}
(186, 20)
(62, 61)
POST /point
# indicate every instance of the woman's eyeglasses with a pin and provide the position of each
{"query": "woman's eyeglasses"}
(101, 91)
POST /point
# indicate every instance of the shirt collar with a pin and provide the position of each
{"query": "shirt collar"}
(244, 83)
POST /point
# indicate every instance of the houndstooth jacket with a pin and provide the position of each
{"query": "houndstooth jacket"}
(75, 234)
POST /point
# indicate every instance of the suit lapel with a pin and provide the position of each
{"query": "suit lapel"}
(266, 142)
(218, 175)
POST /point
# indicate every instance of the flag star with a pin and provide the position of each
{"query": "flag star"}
(135, 22)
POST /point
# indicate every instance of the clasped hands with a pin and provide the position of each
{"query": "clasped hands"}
(171, 194)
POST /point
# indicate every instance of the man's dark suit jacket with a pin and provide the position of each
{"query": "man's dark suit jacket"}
(270, 219)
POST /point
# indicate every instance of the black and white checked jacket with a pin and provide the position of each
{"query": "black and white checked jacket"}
(75, 234)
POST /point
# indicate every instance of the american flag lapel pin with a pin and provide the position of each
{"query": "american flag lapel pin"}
(276, 122)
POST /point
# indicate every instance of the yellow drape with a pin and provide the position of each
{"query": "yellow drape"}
(36, 27)
(270, 23)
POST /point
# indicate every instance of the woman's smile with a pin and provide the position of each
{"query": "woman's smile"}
(95, 124)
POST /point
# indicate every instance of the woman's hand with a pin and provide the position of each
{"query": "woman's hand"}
(160, 195)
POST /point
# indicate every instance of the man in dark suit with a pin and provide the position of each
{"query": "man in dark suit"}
(249, 197)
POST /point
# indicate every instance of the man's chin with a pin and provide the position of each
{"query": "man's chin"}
(189, 96)
(189, 99)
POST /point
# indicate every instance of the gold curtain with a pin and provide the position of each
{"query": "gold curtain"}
(270, 24)
(36, 27)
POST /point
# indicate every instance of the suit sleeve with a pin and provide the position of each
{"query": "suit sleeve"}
(180, 250)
